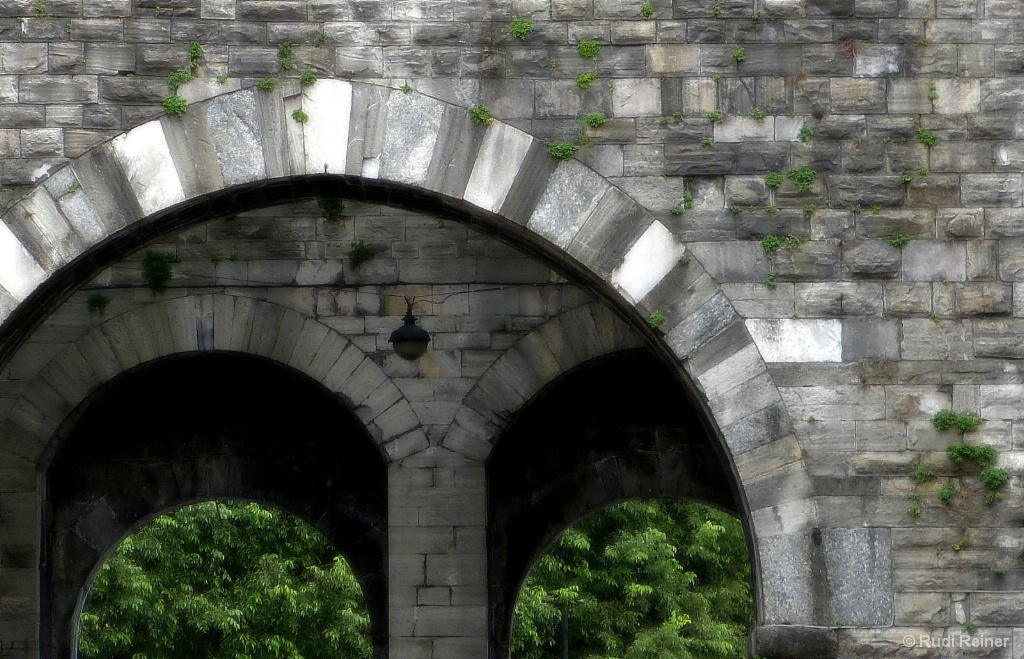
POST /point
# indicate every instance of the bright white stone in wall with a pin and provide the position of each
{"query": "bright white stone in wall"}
(793, 340)
(146, 161)
(648, 261)
(19, 272)
(501, 154)
(325, 135)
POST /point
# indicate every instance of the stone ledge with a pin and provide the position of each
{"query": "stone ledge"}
(793, 642)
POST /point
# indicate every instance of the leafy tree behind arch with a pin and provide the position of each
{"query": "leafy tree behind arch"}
(640, 580)
(225, 580)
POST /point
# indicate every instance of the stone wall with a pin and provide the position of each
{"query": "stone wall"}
(896, 298)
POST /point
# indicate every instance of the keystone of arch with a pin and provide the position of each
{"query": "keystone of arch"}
(201, 323)
(168, 172)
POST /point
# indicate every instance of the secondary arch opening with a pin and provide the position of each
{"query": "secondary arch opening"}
(198, 427)
(616, 429)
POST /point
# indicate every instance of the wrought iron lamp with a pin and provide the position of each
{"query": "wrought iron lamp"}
(410, 340)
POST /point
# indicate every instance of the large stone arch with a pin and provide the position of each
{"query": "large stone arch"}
(241, 150)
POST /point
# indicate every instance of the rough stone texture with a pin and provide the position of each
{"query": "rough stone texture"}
(845, 88)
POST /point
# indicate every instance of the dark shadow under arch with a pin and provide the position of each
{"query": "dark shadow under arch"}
(202, 427)
(615, 429)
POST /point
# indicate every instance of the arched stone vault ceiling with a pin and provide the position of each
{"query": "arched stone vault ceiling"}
(241, 150)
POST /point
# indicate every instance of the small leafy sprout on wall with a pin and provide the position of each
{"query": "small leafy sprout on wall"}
(657, 319)
(307, 78)
(195, 53)
(588, 48)
(39, 9)
(906, 178)
(716, 10)
(284, 55)
(175, 105)
(594, 119)
(406, 88)
(647, 9)
(759, 115)
(685, 205)
(805, 133)
(740, 55)
(993, 478)
(480, 115)
(98, 304)
(982, 455)
(921, 475)
(300, 116)
(707, 142)
(772, 280)
(585, 80)
(157, 271)
(945, 494)
(933, 93)
(716, 116)
(899, 240)
(963, 422)
(177, 78)
(521, 28)
(914, 509)
(331, 208)
(360, 253)
(809, 210)
(222, 78)
(875, 209)
(267, 84)
(803, 177)
(926, 138)
(755, 15)
(773, 179)
(562, 150)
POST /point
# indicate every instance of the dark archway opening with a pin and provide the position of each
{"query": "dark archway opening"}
(201, 427)
(615, 429)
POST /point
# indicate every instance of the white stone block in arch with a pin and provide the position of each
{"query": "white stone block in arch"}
(325, 135)
(146, 162)
(647, 262)
(20, 274)
(572, 194)
(497, 163)
(409, 137)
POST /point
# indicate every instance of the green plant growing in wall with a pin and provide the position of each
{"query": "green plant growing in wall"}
(926, 138)
(755, 15)
(594, 119)
(657, 319)
(716, 10)
(707, 142)
(98, 304)
(359, 253)
(906, 178)
(588, 48)
(585, 80)
(945, 494)
(647, 9)
(222, 78)
(739, 55)
(921, 475)
(805, 133)
(405, 88)
(773, 179)
(562, 150)
(899, 240)
(300, 116)
(175, 105)
(195, 54)
(157, 270)
(758, 114)
(716, 116)
(267, 84)
(521, 28)
(803, 178)
(962, 452)
(993, 478)
(39, 9)
(933, 93)
(961, 421)
(809, 210)
(685, 205)
(331, 208)
(284, 55)
(772, 280)
(177, 78)
(307, 78)
(480, 115)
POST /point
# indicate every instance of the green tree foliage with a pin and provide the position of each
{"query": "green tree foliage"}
(225, 580)
(641, 580)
